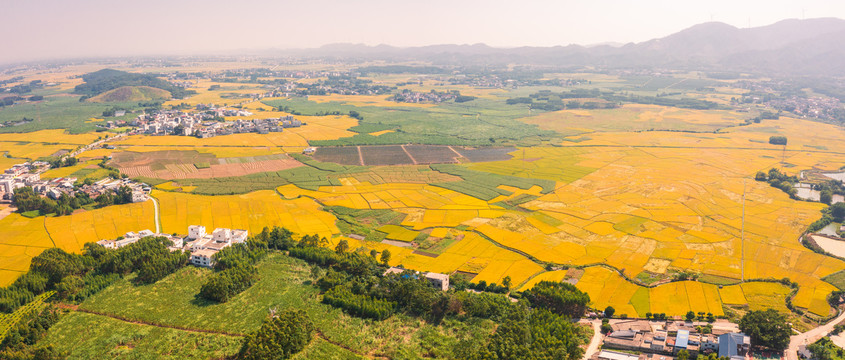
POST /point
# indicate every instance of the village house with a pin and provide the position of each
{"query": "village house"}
(203, 257)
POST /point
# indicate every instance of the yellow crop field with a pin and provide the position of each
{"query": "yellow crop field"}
(732, 295)
(66, 171)
(50, 136)
(377, 133)
(70, 232)
(251, 212)
(364, 100)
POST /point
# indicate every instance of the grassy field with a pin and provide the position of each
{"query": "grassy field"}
(480, 121)
(55, 112)
(88, 336)
(283, 284)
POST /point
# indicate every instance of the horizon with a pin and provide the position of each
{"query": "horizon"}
(190, 28)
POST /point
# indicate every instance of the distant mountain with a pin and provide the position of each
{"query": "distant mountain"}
(788, 47)
(104, 80)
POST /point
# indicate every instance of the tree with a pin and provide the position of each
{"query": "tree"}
(690, 315)
(609, 311)
(506, 282)
(342, 246)
(826, 197)
(761, 176)
(279, 337)
(683, 355)
(838, 211)
(648, 316)
(777, 140)
(767, 329)
(559, 298)
(385, 257)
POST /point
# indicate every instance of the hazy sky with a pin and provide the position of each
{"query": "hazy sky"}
(38, 29)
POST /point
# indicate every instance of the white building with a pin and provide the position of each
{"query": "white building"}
(440, 281)
(108, 244)
(222, 235)
(145, 233)
(200, 244)
(196, 231)
(203, 257)
(239, 236)
(139, 196)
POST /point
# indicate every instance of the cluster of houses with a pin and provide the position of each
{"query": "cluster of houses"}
(203, 125)
(29, 174)
(20, 175)
(140, 191)
(662, 340)
(133, 237)
(202, 245)
(409, 96)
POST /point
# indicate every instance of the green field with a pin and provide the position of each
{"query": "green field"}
(60, 112)
(88, 336)
(481, 122)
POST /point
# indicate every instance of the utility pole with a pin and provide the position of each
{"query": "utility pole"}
(742, 235)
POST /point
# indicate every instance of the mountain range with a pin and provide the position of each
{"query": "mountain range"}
(790, 47)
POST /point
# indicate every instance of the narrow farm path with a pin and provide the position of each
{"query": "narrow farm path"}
(157, 214)
(596, 340)
(409, 154)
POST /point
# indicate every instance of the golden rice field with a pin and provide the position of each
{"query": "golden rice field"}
(365, 100)
(24, 238)
(67, 170)
(251, 212)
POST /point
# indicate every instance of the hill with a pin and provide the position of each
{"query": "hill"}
(101, 81)
(132, 93)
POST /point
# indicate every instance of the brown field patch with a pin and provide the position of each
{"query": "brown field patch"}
(189, 171)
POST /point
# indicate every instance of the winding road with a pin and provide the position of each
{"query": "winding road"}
(811, 336)
(597, 337)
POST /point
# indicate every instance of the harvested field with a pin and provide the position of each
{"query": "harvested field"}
(344, 155)
(432, 154)
(484, 154)
(408, 154)
(385, 155)
(172, 164)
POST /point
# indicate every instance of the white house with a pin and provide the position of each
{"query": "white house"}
(196, 231)
(239, 236)
(201, 243)
(440, 281)
(145, 233)
(108, 244)
(138, 196)
(203, 257)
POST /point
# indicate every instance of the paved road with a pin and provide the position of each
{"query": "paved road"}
(597, 337)
(811, 336)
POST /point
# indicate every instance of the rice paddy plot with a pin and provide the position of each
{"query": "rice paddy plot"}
(252, 212)
(395, 232)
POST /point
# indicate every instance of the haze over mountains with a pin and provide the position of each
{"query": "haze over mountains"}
(788, 47)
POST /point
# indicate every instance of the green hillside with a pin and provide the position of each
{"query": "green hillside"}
(131, 93)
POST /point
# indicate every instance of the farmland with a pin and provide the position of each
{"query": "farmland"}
(619, 201)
